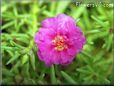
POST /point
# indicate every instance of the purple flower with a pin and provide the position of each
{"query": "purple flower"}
(59, 40)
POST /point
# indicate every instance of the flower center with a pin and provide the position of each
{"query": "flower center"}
(59, 42)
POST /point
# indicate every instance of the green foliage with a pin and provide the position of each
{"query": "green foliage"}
(20, 63)
(68, 78)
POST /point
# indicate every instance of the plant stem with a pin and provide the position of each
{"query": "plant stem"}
(52, 73)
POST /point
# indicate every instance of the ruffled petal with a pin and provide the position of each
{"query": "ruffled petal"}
(49, 23)
(65, 22)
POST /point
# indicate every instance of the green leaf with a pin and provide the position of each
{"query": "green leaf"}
(93, 31)
(25, 58)
(76, 13)
(109, 42)
(53, 78)
(7, 25)
(61, 6)
(99, 21)
(87, 78)
(15, 57)
(26, 67)
(47, 13)
(32, 59)
(14, 69)
(41, 77)
(15, 11)
(82, 70)
(10, 52)
(53, 7)
(6, 71)
(68, 78)
(87, 19)
(86, 57)
(4, 8)
(15, 44)
(6, 48)
(8, 79)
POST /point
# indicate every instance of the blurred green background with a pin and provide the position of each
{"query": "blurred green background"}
(20, 63)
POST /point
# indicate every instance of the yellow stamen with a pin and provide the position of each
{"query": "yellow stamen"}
(59, 43)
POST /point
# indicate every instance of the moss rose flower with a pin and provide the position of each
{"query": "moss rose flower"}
(59, 40)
